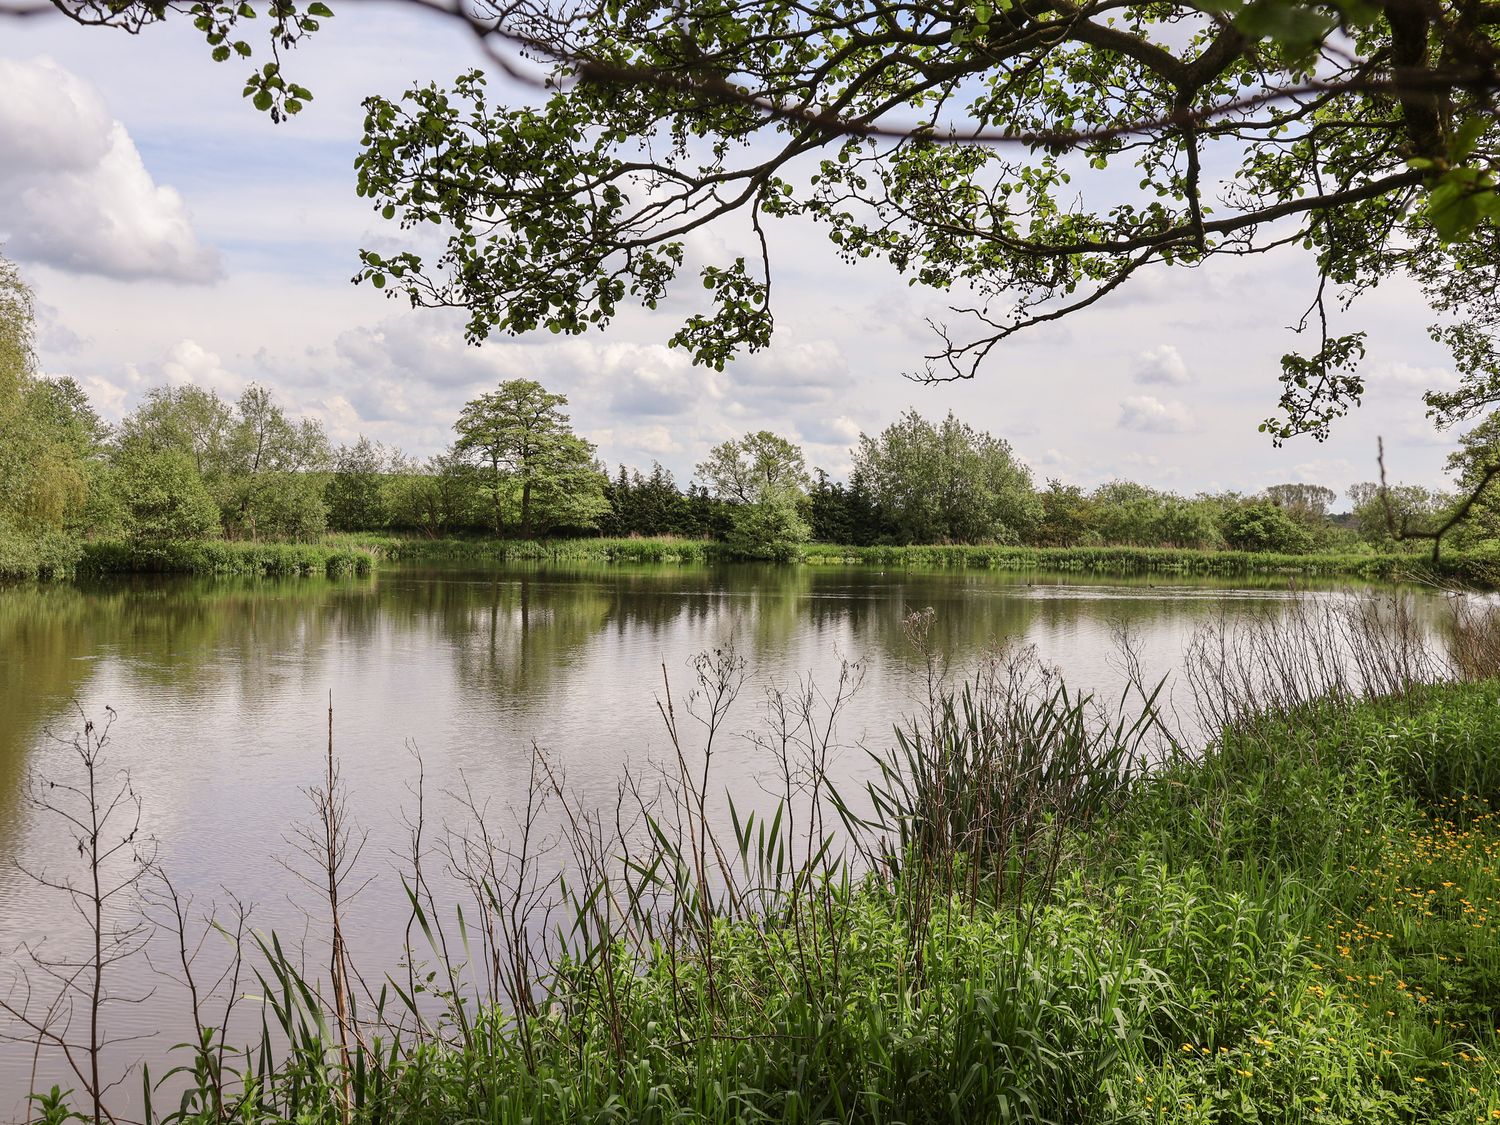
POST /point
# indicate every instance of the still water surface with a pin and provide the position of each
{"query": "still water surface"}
(221, 691)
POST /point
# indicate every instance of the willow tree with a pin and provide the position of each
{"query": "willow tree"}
(46, 429)
(17, 331)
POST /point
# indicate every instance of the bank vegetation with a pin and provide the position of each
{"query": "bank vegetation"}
(187, 475)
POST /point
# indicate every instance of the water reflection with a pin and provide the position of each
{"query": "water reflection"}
(221, 686)
(516, 636)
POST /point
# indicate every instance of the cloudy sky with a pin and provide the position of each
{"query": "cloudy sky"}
(173, 234)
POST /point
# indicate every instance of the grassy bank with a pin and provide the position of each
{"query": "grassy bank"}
(223, 557)
(396, 548)
(61, 557)
(1031, 914)
(1465, 569)
(1296, 929)
(1161, 560)
(46, 558)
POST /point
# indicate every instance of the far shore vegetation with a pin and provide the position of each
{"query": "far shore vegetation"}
(190, 482)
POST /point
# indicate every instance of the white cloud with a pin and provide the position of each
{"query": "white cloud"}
(1147, 414)
(1052, 459)
(1322, 470)
(188, 362)
(52, 335)
(184, 363)
(842, 431)
(427, 348)
(74, 192)
(642, 380)
(1162, 364)
(638, 445)
(1406, 375)
(790, 374)
(1149, 469)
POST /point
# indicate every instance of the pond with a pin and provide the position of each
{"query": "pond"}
(220, 692)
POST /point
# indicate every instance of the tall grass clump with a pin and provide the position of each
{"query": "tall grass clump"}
(990, 780)
(1039, 907)
(663, 549)
(216, 557)
(49, 556)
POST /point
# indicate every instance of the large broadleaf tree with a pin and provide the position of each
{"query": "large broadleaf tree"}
(1029, 157)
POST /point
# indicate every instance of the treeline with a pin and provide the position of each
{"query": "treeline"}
(188, 466)
(916, 482)
(881, 507)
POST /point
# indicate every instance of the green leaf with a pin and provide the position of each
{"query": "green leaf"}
(1294, 25)
(1466, 137)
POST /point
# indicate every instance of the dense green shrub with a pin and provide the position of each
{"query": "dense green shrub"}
(1263, 526)
(48, 556)
(164, 497)
(220, 557)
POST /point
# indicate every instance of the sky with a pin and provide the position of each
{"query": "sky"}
(174, 235)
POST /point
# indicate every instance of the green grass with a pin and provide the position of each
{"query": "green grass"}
(1157, 560)
(1470, 570)
(224, 557)
(62, 556)
(397, 548)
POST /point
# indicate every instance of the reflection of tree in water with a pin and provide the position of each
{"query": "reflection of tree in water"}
(975, 610)
(198, 638)
(43, 631)
(510, 634)
(971, 612)
(655, 603)
(511, 631)
(201, 637)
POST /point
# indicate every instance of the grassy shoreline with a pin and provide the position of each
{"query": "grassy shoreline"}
(1469, 570)
(221, 558)
(62, 557)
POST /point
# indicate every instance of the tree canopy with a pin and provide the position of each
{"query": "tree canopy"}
(259, 465)
(763, 477)
(532, 461)
(48, 430)
(945, 482)
(1029, 157)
